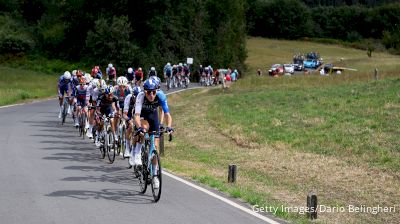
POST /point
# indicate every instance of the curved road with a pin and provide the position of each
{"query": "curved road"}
(50, 175)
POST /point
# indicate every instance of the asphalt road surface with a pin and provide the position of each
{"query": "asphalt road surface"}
(50, 175)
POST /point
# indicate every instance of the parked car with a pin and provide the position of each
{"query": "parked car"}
(276, 69)
(311, 63)
(289, 68)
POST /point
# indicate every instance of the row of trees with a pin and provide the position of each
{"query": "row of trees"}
(127, 33)
(152, 32)
(293, 19)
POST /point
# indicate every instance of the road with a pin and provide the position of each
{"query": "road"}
(50, 175)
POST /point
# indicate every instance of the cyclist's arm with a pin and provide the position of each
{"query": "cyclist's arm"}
(164, 105)
(138, 108)
(126, 106)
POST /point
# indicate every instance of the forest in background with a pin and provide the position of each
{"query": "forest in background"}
(153, 32)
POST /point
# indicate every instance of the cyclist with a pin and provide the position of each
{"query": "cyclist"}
(152, 72)
(82, 99)
(96, 73)
(94, 92)
(146, 107)
(107, 105)
(138, 76)
(186, 73)
(168, 72)
(174, 76)
(111, 74)
(129, 110)
(121, 92)
(130, 75)
(64, 86)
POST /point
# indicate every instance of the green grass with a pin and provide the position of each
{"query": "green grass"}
(17, 85)
(346, 120)
(288, 135)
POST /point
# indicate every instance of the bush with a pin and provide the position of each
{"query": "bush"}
(14, 37)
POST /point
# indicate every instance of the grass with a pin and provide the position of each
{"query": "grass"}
(335, 135)
(18, 85)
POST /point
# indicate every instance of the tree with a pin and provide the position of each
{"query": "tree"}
(109, 41)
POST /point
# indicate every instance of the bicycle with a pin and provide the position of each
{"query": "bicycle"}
(121, 143)
(149, 171)
(169, 84)
(109, 139)
(82, 121)
(65, 109)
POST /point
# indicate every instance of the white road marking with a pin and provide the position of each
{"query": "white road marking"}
(229, 202)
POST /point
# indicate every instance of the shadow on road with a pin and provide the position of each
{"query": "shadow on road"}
(119, 195)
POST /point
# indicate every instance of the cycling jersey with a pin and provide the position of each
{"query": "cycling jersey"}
(82, 94)
(138, 75)
(63, 85)
(122, 95)
(111, 72)
(106, 104)
(129, 105)
(130, 76)
(168, 70)
(148, 110)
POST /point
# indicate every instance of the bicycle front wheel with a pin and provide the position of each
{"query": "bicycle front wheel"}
(143, 172)
(156, 177)
(110, 146)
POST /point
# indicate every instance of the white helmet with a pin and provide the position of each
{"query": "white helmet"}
(130, 70)
(180, 64)
(67, 75)
(96, 83)
(74, 72)
(110, 65)
(122, 81)
(88, 77)
(152, 69)
(103, 83)
(169, 64)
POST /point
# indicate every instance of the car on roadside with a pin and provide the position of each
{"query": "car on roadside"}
(276, 70)
(289, 68)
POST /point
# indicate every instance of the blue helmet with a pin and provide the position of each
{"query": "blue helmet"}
(136, 90)
(150, 84)
(156, 80)
(109, 89)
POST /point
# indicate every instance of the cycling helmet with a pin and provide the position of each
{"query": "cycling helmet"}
(169, 64)
(109, 89)
(82, 81)
(130, 70)
(157, 81)
(78, 73)
(110, 65)
(122, 81)
(102, 83)
(136, 90)
(88, 77)
(152, 69)
(96, 83)
(140, 69)
(150, 84)
(67, 75)
(74, 72)
(180, 64)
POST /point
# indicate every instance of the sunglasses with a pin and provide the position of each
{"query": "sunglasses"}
(148, 92)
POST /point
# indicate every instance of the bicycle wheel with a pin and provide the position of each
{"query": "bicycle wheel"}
(143, 172)
(157, 174)
(110, 145)
(80, 125)
(64, 112)
(103, 143)
(122, 141)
